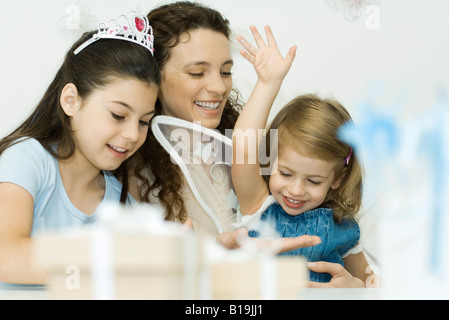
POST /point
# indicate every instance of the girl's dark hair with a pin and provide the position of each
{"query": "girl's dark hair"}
(158, 173)
(92, 68)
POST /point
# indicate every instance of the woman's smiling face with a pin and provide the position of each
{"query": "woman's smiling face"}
(197, 79)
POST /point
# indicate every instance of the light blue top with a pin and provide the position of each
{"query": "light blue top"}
(28, 165)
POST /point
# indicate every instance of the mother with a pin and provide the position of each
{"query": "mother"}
(192, 49)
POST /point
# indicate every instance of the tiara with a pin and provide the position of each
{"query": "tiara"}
(133, 27)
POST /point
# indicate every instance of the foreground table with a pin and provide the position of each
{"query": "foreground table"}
(13, 292)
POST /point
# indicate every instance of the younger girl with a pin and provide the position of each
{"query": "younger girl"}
(55, 167)
(314, 187)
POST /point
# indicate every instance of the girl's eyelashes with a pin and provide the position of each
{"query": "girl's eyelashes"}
(288, 175)
(285, 174)
(201, 74)
(195, 75)
(117, 117)
(144, 123)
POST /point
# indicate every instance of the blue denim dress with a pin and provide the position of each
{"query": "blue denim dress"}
(336, 239)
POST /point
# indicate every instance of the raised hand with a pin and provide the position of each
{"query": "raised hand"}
(271, 68)
(270, 65)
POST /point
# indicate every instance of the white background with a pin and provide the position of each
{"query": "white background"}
(404, 57)
(345, 60)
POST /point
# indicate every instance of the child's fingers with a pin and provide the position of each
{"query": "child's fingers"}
(259, 40)
(326, 267)
(270, 37)
(248, 56)
(248, 46)
(291, 55)
(289, 244)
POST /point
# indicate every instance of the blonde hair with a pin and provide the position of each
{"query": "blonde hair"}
(310, 125)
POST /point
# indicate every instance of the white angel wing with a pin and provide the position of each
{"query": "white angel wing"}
(205, 157)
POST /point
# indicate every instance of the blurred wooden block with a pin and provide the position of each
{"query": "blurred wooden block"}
(137, 267)
(277, 278)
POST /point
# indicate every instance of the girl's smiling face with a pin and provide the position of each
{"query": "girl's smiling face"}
(300, 183)
(197, 79)
(111, 124)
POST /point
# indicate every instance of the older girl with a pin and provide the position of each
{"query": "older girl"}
(55, 167)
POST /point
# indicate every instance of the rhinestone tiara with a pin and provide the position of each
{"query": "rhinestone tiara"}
(133, 27)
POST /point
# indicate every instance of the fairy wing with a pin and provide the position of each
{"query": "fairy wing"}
(205, 157)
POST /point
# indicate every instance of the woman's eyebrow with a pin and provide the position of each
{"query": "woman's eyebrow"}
(205, 63)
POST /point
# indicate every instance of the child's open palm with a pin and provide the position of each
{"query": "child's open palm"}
(270, 65)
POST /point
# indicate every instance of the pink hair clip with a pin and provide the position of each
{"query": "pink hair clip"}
(348, 158)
